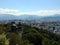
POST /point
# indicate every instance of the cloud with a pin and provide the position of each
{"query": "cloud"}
(39, 12)
(48, 12)
(9, 11)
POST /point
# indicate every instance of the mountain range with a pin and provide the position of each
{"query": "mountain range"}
(55, 17)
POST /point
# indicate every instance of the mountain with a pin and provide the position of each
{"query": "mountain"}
(7, 17)
(30, 17)
(55, 17)
(21, 17)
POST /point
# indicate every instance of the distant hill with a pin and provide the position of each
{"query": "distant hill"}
(51, 18)
(7, 17)
(21, 17)
(30, 17)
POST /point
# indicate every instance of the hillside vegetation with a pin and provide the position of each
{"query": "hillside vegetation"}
(27, 36)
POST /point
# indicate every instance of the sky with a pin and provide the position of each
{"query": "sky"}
(30, 7)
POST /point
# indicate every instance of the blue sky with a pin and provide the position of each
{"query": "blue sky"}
(30, 6)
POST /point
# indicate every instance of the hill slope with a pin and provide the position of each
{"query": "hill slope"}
(55, 17)
(30, 36)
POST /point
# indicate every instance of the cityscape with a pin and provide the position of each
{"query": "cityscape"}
(29, 22)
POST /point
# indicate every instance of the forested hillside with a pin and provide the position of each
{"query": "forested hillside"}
(27, 36)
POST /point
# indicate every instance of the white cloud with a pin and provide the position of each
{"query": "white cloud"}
(48, 12)
(40, 12)
(9, 11)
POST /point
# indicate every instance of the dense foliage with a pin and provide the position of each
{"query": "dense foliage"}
(27, 36)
